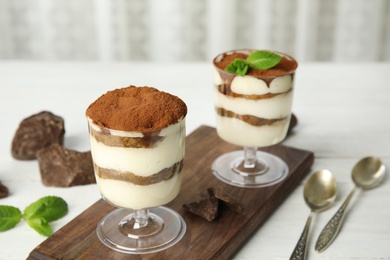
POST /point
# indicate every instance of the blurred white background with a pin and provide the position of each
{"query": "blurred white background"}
(193, 30)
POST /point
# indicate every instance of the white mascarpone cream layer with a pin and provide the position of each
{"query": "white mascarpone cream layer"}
(269, 108)
(129, 195)
(240, 133)
(248, 85)
(217, 78)
(142, 161)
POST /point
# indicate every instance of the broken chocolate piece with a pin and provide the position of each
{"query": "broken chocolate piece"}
(36, 132)
(209, 207)
(293, 123)
(206, 208)
(61, 167)
(3, 191)
(233, 204)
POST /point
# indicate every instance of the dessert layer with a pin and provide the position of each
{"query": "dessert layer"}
(163, 175)
(252, 120)
(168, 150)
(124, 141)
(249, 85)
(268, 106)
(238, 132)
(128, 195)
(136, 109)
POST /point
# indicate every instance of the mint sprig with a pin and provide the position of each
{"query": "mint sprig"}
(9, 217)
(238, 66)
(40, 225)
(261, 60)
(49, 208)
(38, 214)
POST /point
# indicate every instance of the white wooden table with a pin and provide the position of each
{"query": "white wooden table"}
(343, 112)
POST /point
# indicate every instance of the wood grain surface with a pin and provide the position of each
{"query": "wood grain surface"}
(218, 239)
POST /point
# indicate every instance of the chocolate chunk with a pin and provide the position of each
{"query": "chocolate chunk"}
(3, 191)
(61, 167)
(36, 132)
(206, 208)
(293, 122)
(233, 204)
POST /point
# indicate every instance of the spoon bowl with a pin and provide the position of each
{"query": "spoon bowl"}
(319, 193)
(368, 173)
(320, 190)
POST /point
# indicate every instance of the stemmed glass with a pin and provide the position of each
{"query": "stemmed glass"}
(252, 111)
(138, 172)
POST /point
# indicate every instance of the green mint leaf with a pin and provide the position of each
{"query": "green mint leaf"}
(49, 208)
(40, 225)
(9, 217)
(263, 60)
(238, 66)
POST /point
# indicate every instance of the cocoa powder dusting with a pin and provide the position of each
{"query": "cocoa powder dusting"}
(138, 109)
(287, 64)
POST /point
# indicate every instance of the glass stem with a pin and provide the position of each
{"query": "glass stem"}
(141, 223)
(250, 157)
(141, 218)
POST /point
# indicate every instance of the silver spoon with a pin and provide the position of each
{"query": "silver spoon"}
(319, 193)
(366, 174)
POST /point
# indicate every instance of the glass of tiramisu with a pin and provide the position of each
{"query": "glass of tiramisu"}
(253, 97)
(137, 137)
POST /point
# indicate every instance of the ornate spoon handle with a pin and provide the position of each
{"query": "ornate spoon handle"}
(331, 230)
(299, 252)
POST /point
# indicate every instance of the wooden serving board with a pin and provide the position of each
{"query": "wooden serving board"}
(218, 239)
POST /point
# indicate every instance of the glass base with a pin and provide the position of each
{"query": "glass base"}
(268, 170)
(164, 229)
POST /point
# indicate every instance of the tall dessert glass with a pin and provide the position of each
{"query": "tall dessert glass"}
(252, 110)
(137, 137)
